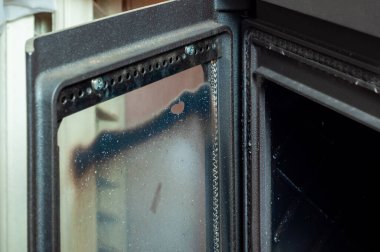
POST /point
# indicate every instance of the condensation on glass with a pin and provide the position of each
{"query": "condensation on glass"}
(135, 172)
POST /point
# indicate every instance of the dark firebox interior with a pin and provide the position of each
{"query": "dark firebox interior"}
(323, 176)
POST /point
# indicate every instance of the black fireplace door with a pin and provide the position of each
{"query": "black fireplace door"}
(312, 118)
(131, 144)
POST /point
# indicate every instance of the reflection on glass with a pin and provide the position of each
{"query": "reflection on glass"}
(134, 170)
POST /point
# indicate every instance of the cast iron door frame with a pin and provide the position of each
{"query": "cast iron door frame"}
(70, 59)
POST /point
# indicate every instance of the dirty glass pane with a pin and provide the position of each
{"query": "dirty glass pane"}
(135, 171)
(322, 180)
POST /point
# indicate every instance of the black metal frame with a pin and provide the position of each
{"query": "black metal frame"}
(310, 70)
(362, 17)
(354, 46)
(65, 62)
(329, 64)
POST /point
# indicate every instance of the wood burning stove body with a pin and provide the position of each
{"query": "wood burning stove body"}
(284, 76)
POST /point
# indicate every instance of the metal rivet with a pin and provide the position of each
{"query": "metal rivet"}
(190, 50)
(97, 83)
(89, 91)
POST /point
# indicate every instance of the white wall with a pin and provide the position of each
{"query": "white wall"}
(13, 200)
